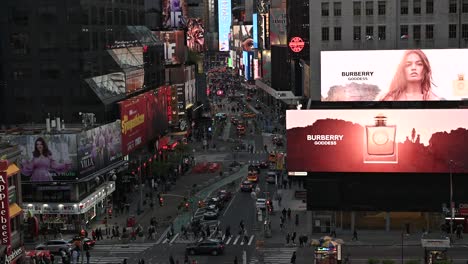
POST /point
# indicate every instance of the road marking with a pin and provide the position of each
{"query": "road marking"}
(163, 235)
(174, 238)
(242, 242)
(223, 237)
(229, 240)
(229, 205)
(251, 239)
(235, 241)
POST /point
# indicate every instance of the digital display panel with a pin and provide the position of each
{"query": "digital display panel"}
(380, 140)
(224, 22)
(394, 75)
(255, 30)
(278, 32)
(174, 13)
(195, 35)
(174, 48)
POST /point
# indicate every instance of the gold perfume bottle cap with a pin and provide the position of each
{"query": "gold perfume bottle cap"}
(380, 120)
(461, 77)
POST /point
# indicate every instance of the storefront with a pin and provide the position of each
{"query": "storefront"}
(435, 250)
(69, 217)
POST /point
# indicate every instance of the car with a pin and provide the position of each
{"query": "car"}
(224, 195)
(88, 241)
(254, 167)
(271, 177)
(56, 246)
(216, 201)
(252, 176)
(241, 130)
(246, 186)
(261, 203)
(221, 116)
(210, 246)
(258, 106)
(214, 167)
(211, 213)
(264, 165)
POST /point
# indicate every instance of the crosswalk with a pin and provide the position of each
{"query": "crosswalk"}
(236, 240)
(274, 255)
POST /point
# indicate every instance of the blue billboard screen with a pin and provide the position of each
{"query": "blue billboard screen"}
(224, 21)
(255, 30)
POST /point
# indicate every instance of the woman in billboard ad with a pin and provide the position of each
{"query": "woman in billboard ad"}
(412, 80)
(42, 163)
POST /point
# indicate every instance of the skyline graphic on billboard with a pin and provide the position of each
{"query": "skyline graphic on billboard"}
(381, 140)
(394, 75)
(224, 22)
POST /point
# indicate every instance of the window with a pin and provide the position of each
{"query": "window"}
(465, 6)
(357, 8)
(337, 8)
(48, 42)
(19, 16)
(21, 72)
(19, 43)
(429, 6)
(404, 7)
(48, 14)
(465, 31)
(357, 33)
(369, 8)
(49, 71)
(452, 31)
(453, 6)
(337, 33)
(325, 7)
(325, 34)
(417, 7)
(382, 8)
(403, 31)
(417, 32)
(382, 33)
(369, 33)
(429, 31)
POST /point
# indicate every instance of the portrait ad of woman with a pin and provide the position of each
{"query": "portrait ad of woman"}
(99, 147)
(394, 75)
(46, 158)
(195, 35)
(174, 13)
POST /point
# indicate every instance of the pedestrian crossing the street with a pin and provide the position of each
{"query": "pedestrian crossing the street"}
(274, 255)
(125, 249)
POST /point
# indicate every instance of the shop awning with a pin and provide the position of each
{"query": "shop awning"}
(15, 210)
(12, 170)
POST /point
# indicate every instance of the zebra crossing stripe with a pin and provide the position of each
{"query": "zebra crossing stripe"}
(229, 240)
(223, 237)
(251, 239)
(174, 238)
(235, 241)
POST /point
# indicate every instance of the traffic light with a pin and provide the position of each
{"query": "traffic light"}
(187, 205)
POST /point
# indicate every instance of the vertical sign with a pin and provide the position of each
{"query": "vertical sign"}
(224, 22)
(255, 30)
(4, 210)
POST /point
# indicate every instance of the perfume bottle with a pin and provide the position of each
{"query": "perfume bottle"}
(460, 86)
(380, 142)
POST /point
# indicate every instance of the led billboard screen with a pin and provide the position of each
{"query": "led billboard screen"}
(278, 32)
(255, 30)
(174, 48)
(174, 13)
(394, 75)
(381, 140)
(195, 35)
(224, 22)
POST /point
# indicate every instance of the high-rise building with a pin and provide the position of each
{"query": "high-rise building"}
(50, 49)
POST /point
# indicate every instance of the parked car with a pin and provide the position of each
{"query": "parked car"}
(210, 246)
(224, 195)
(247, 186)
(261, 203)
(88, 241)
(55, 246)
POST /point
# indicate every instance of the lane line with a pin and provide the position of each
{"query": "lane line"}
(174, 238)
(229, 205)
(235, 241)
(251, 239)
(229, 240)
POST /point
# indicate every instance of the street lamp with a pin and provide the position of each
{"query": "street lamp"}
(452, 205)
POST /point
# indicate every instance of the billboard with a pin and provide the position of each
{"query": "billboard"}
(248, 61)
(278, 34)
(5, 234)
(195, 35)
(174, 13)
(133, 114)
(174, 48)
(235, 37)
(266, 64)
(224, 22)
(47, 158)
(394, 75)
(155, 113)
(99, 147)
(190, 82)
(247, 35)
(381, 140)
(255, 30)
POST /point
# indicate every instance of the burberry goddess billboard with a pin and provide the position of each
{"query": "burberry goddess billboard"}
(382, 140)
(394, 75)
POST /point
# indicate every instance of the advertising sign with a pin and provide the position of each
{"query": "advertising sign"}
(133, 114)
(195, 35)
(224, 22)
(46, 158)
(247, 40)
(190, 93)
(247, 60)
(255, 30)
(174, 48)
(394, 75)
(156, 113)
(5, 231)
(266, 64)
(174, 13)
(99, 147)
(278, 34)
(382, 140)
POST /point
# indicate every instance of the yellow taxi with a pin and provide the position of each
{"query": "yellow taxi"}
(252, 176)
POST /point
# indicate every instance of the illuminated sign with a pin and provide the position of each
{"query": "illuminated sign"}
(395, 75)
(5, 231)
(378, 140)
(296, 44)
(255, 31)
(224, 21)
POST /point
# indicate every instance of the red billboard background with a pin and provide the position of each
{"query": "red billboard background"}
(382, 140)
(133, 115)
